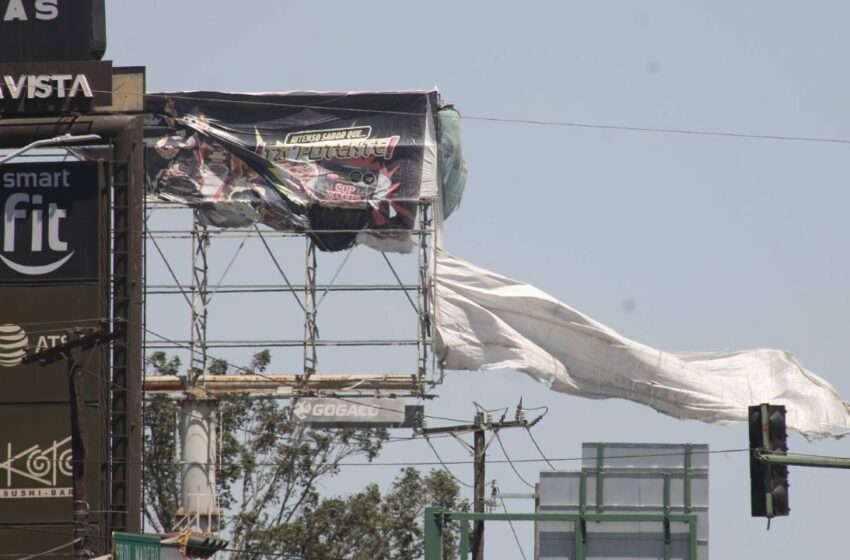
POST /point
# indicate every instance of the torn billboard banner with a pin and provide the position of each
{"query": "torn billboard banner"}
(486, 321)
(335, 164)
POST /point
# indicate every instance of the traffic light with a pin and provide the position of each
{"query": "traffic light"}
(202, 546)
(768, 483)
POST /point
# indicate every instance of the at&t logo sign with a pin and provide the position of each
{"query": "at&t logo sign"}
(13, 345)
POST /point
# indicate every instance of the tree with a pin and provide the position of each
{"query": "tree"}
(367, 525)
(270, 467)
(160, 470)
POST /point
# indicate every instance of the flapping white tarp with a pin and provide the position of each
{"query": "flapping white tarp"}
(486, 321)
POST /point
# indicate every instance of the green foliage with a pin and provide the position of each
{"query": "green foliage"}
(161, 473)
(269, 469)
(366, 525)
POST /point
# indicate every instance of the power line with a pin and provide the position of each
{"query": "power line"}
(505, 452)
(664, 130)
(515, 120)
(534, 441)
(46, 552)
(510, 523)
(495, 461)
(441, 462)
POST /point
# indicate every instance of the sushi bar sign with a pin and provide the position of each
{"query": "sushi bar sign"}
(50, 53)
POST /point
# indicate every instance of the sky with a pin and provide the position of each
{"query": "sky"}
(679, 241)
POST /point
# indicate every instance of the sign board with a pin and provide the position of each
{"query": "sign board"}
(52, 30)
(354, 161)
(51, 221)
(54, 87)
(127, 546)
(36, 483)
(36, 318)
(20, 541)
(365, 412)
(626, 484)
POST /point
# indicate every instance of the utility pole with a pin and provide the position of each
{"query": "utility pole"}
(479, 427)
(480, 455)
(76, 340)
(78, 454)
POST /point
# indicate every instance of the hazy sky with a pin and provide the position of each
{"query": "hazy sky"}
(680, 241)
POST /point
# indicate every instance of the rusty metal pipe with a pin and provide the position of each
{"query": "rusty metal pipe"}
(273, 382)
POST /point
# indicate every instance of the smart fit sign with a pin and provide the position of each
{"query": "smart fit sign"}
(49, 230)
(50, 54)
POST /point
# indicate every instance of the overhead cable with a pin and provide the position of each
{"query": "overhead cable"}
(440, 459)
(510, 523)
(526, 121)
(504, 451)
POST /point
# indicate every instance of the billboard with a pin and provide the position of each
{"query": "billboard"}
(50, 228)
(50, 267)
(35, 318)
(367, 412)
(51, 30)
(54, 87)
(645, 489)
(35, 463)
(334, 164)
(22, 540)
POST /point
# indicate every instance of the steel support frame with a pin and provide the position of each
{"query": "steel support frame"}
(199, 296)
(425, 294)
(795, 460)
(126, 282)
(311, 331)
(200, 299)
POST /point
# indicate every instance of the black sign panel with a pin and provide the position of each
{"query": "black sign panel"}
(36, 318)
(51, 87)
(32, 539)
(45, 30)
(50, 226)
(35, 463)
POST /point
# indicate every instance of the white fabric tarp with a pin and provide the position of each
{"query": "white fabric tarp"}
(485, 321)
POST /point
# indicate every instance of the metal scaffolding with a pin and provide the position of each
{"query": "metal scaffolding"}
(200, 298)
(198, 293)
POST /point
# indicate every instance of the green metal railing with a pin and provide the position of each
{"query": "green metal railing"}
(436, 520)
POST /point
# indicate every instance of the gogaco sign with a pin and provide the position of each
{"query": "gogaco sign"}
(369, 412)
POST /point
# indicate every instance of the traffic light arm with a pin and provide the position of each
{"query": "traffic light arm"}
(803, 460)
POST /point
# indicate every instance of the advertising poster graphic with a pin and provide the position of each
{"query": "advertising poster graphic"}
(332, 164)
(50, 221)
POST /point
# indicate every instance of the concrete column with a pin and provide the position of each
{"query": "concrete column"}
(199, 452)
